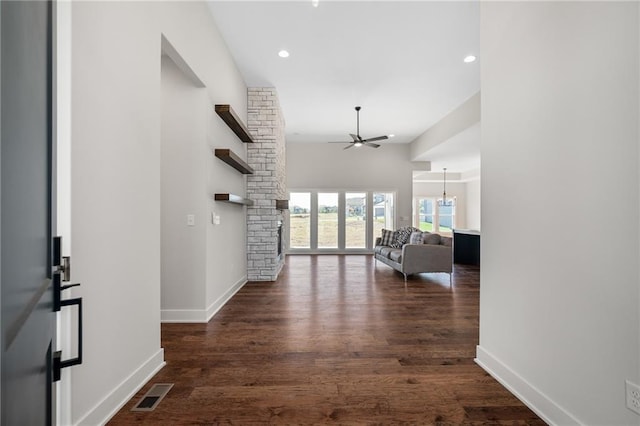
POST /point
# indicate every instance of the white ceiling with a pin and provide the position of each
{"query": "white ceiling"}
(400, 60)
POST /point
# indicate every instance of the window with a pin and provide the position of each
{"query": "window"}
(446, 216)
(355, 220)
(430, 216)
(300, 220)
(426, 211)
(328, 220)
(338, 221)
(383, 213)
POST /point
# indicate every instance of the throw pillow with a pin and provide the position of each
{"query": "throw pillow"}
(403, 236)
(388, 237)
(428, 238)
(415, 238)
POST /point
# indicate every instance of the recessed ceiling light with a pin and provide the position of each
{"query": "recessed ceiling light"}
(469, 59)
(315, 3)
(392, 135)
(283, 54)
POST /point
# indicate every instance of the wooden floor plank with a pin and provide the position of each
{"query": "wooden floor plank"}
(334, 340)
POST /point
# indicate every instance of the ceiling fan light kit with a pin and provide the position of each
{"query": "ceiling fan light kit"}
(358, 141)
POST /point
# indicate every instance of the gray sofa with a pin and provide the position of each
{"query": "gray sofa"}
(433, 254)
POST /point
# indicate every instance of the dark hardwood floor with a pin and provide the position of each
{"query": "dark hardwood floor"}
(334, 340)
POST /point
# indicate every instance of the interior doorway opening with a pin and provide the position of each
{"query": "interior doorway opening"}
(183, 183)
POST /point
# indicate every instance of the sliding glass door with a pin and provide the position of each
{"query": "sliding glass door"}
(355, 220)
(383, 213)
(300, 220)
(338, 221)
(327, 220)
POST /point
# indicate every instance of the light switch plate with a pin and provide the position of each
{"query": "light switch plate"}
(191, 220)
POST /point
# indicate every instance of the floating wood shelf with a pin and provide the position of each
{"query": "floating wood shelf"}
(233, 160)
(229, 116)
(234, 199)
(282, 204)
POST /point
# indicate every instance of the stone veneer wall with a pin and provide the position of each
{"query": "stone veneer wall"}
(268, 183)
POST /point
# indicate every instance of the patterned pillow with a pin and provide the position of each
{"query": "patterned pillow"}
(403, 236)
(415, 238)
(388, 237)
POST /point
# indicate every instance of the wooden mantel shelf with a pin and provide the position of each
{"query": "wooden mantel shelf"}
(232, 159)
(234, 199)
(233, 121)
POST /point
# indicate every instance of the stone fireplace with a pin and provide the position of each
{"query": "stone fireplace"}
(265, 247)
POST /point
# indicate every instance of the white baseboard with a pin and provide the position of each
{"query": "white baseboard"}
(222, 300)
(533, 398)
(183, 315)
(113, 402)
(201, 315)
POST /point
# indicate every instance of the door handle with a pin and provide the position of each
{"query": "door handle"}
(58, 363)
(61, 272)
(58, 288)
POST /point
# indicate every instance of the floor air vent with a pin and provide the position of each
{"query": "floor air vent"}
(152, 398)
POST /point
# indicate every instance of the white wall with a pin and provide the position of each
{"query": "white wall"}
(473, 204)
(183, 191)
(226, 243)
(559, 279)
(116, 183)
(329, 166)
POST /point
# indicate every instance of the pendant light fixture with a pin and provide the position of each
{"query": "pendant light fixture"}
(444, 202)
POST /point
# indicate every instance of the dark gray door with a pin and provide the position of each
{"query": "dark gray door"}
(28, 322)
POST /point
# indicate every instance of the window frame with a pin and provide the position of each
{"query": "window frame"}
(435, 213)
(341, 248)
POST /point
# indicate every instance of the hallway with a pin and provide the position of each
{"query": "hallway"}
(334, 339)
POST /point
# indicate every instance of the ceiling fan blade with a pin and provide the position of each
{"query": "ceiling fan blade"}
(358, 141)
(378, 138)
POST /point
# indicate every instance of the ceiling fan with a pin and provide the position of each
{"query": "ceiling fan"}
(357, 139)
